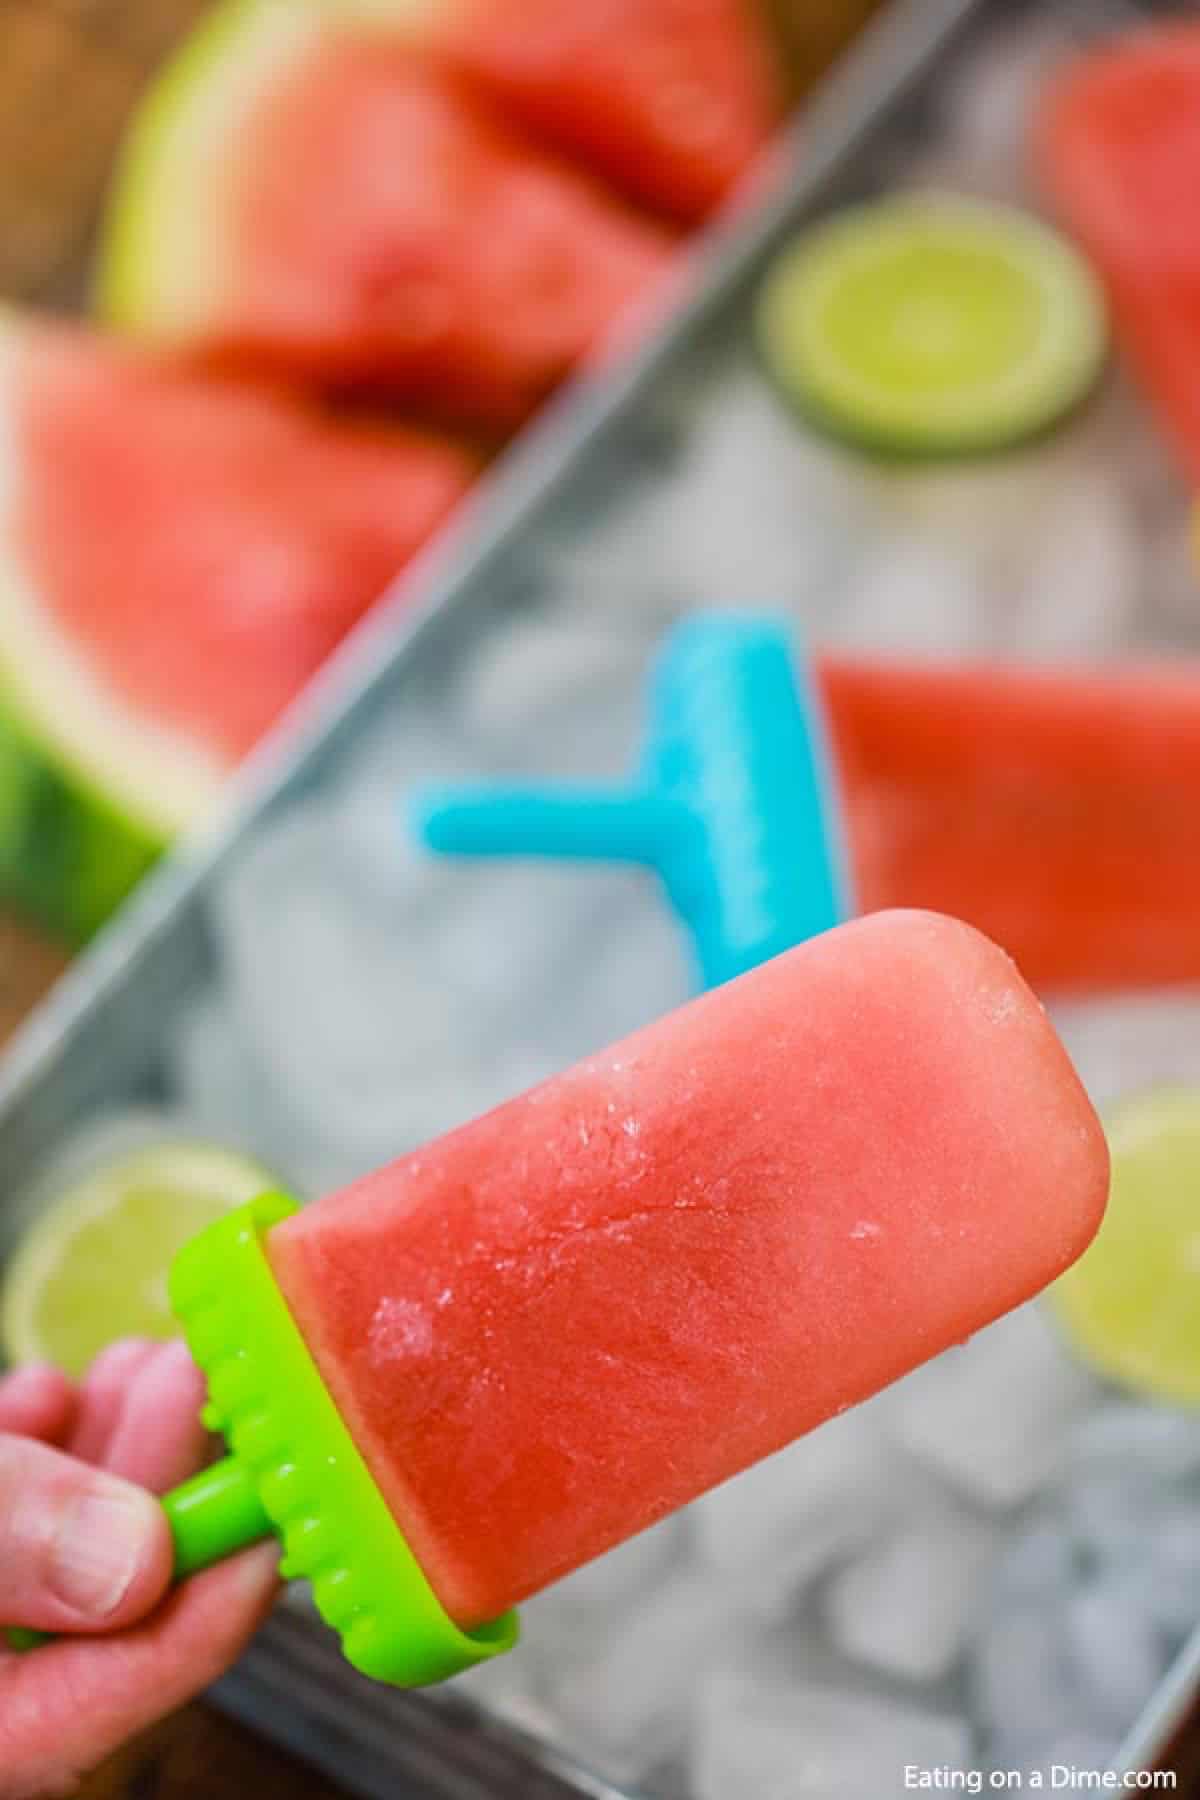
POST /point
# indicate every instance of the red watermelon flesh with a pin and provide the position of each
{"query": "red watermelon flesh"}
(205, 544)
(563, 1320)
(1053, 809)
(1120, 148)
(390, 235)
(670, 100)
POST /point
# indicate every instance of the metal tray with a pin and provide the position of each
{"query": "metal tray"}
(96, 1042)
(94, 1038)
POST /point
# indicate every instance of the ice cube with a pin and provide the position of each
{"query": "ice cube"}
(982, 514)
(1107, 1517)
(1066, 1762)
(1117, 1654)
(556, 697)
(564, 1628)
(606, 567)
(577, 1609)
(556, 957)
(215, 1078)
(912, 594)
(990, 104)
(628, 1705)
(1168, 1581)
(1171, 584)
(1129, 1530)
(563, 958)
(776, 1527)
(346, 1011)
(1125, 1043)
(630, 965)
(370, 809)
(1071, 1641)
(1039, 1563)
(763, 512)
(1147, 1445)
(808, 1742)
(905, 1605)
(992, 1415)
(1083, 576)
(1022, 1680)
(230, 1097)
(383, 1024)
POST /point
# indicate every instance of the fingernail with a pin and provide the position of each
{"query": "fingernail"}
(100, 1543)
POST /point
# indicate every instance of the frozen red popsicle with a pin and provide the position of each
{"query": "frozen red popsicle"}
(1055, 810)
(1120, 149)
(569, 1317)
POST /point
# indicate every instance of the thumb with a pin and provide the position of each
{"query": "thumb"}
(80, 1550)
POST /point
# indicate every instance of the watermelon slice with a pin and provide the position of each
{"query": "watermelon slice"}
(324, 204)
(670, 100)
(177, 557)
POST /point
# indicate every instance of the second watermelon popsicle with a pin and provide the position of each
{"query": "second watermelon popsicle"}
(1052, 808)
(560, 1322)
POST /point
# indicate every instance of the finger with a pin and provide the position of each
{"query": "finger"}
(38, 1401)
(103, 1394)
(63, 1708)
(157, 1438)
(80, 1550)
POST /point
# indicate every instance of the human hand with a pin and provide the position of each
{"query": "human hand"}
(83, 1552)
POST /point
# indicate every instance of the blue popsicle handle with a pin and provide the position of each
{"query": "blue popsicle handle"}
(734, 804)
(580, 824)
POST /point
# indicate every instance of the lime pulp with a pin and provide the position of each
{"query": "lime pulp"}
(931, 324)
(1131, 1304)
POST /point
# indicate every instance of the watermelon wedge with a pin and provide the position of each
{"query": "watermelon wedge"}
(669, 100)
(318, 202)
(177, 557)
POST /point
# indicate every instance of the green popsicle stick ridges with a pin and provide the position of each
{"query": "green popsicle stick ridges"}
(268, 1400)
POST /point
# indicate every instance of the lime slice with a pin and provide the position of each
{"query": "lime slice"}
(928, 324)
(93, 1265)
(1131, 1304)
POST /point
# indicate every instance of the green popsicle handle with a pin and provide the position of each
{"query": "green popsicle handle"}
(214, 1514)
(211, 1516)
(295, 1472)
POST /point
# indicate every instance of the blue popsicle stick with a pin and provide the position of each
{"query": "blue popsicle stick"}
(734, 804)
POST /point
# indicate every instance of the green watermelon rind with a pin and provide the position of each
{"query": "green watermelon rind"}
(164, 166)
(91, 792)
(68, 854)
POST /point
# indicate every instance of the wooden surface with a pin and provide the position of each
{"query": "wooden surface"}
(199, 1755)
(28, 964)
(69, 72)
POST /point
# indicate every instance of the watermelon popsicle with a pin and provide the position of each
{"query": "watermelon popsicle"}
(1054, 809)
(560, 1322)
(1118, 140)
